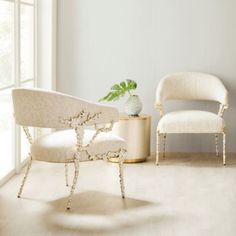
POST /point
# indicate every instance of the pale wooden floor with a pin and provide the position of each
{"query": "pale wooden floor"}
(185, 195)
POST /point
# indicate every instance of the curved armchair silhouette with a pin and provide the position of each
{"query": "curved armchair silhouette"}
(191, 86)
(48, 109)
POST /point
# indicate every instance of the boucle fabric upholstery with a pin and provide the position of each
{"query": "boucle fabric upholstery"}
(191, 86)
(60, 146)
(191, 122)
(39, 108)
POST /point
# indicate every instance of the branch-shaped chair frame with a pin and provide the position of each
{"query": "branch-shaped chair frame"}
(77, 122)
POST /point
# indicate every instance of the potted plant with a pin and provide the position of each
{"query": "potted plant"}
(133, 105)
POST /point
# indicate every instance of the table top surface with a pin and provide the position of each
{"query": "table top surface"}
(124, 116)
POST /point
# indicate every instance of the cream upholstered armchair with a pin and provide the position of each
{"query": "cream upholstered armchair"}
(48, 109)
(191, 86)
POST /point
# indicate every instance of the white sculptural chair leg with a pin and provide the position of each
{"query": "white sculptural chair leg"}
(164, 146)
(76, 174)
(164, 135)
(157, 147)
(216, 143)
(25, 177)
(66, 174)
(121, 175)
(29, 138)
(224, 148)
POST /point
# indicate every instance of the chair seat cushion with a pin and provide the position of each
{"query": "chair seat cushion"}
(191, 121)
(60, 146)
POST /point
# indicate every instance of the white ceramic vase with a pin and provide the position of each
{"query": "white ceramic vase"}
(133, 106)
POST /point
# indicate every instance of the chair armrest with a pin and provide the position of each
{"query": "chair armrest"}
(222, 109)
(78, 123)
(159, 108)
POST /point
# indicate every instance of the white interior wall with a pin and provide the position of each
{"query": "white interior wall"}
(46, 51)
(106, 41)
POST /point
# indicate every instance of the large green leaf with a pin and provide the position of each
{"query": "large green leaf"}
(119, 90)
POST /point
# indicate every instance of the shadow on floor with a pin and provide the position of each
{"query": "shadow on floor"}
(97, 212)
(97, 203)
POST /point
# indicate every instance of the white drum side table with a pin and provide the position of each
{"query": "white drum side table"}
(135, 130)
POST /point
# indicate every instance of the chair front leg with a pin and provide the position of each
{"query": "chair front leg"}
(224, 151)
(157, 147)
(76, 174)
(66, 174)
(121, 175)
(25, 177)
(216, 143)
(164, 145)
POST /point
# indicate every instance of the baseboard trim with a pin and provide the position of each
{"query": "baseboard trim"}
(6, 178)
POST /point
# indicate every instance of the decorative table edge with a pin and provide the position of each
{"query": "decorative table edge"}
(124, 116)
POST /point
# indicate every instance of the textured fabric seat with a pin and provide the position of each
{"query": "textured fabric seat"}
(192, 121)
(60, 146)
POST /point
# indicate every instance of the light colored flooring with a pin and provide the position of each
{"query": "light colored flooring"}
(185, 195)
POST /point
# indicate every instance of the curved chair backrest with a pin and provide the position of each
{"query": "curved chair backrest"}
(191, 86)
(40, 108)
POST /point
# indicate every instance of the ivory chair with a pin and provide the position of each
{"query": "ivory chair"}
(191, 86)
(47, 109)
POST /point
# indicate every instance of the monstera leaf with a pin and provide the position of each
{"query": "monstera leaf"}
(119, 90)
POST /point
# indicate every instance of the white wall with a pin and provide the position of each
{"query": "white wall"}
(46, 51)
(106, 41)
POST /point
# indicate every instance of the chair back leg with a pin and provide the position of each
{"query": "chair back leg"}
(157, 148)
(66, 174)
(216, 143)
(25, 177)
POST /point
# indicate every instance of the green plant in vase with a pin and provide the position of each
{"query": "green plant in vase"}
(133, 105)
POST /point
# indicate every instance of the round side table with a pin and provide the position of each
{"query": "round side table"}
(136, 131)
